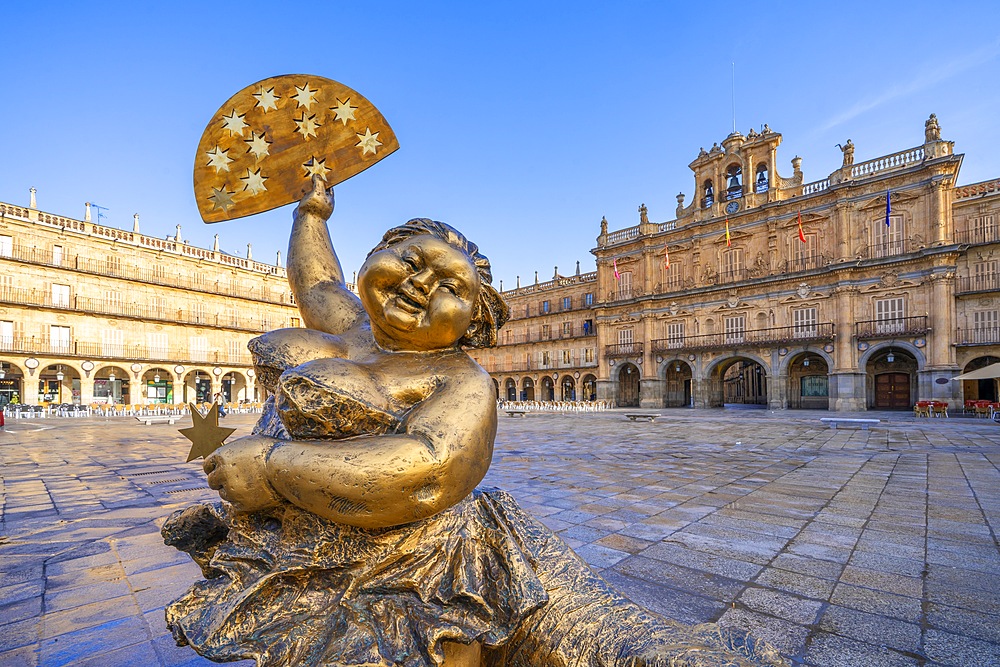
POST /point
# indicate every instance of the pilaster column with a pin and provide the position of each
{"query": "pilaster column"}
(844, 349)
(941, 352)
(941, 221)
(841, 236)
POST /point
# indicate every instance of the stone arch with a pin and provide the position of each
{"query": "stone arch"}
(196, 385)
(677, 376)
(112, 383)
(588, 387)
(785, 362)
(12, 381)
(157, 384)
(627, 385)
(527, 389)
(807, 379)
(567, 388)
(733, 176)
(235, 386)
(510, 389)
(980, 390)
(761, 184)
(739, 379)
(548, 388)
(891, 375)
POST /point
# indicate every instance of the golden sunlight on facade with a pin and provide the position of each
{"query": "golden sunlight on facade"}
(868, 289)
(94, 314)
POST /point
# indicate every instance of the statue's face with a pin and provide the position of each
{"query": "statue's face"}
(420, 294)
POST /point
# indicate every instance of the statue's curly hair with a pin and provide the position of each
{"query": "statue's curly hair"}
(492, 312)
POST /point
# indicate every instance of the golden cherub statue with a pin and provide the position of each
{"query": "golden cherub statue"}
(353, 532)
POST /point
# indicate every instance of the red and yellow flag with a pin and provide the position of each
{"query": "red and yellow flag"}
(614, 262)
(802, 237)
(729, 241)
(666, 256)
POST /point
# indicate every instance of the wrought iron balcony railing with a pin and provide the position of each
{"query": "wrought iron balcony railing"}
(157, 275)
(624, 294)
(978, 234)
(978, 336)
(119, 308)
(539, 337)
(888, 249)
(988, 282)
(808, 263)
(623, 350)
(892, 328)
(747, 338)
(56, 347)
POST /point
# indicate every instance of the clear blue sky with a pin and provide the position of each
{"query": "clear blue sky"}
(520, 123)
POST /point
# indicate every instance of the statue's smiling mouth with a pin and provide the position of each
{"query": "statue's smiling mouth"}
(410, 302)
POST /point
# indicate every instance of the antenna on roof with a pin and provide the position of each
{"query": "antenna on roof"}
(100, 214)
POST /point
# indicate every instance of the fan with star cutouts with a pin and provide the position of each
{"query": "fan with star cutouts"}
(263, 146)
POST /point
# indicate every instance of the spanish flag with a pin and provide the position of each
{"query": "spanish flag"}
(802, 237)
(729, 241)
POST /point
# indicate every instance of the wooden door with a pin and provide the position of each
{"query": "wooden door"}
(628, 387)
(892, 391)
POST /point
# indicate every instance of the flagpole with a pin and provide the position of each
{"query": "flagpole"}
(734, 97)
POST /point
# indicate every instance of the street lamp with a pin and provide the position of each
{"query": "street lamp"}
(111, 375)
(156, 378)
(59, 374)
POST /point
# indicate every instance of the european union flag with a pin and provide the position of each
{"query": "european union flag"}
(888, 207)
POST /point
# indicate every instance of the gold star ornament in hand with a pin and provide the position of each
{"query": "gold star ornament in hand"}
(206, 435)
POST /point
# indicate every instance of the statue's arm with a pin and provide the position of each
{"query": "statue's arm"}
(388, 480)
(314, 271)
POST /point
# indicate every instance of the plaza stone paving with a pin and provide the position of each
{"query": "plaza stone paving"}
(842, 547)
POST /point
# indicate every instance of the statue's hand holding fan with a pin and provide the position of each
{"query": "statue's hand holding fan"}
(264, 145)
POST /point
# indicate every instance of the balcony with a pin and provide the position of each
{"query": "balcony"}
(978, 235)
(888, 249)
(891, 328)
(156, 275)
(44, 345)
(675, 284)
(33, 297)
(623, 350)
(807, 263)
(978, 336)
(625, 294)
(520, 339)
(748, 338)
(989, 282)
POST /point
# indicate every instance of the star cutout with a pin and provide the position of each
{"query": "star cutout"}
(316, 167)
(368, 142)
(304, 96)
(258, 145)
(221, 198)
(344, 111)
(266, 99)
(254, 181)
(306, 126)
(234, 123)
(219, 159)
(206, 435)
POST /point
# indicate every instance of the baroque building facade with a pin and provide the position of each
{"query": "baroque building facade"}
(548, 350)
(91, 313)
(890, 289)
